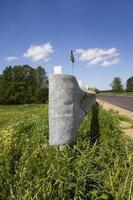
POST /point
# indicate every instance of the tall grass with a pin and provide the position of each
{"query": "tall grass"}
(30, 169)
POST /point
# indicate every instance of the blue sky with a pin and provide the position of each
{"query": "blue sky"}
(42, 32)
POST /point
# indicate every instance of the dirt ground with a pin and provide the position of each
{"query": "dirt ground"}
(127, 127)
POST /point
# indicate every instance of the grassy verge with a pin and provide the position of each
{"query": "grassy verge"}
(126, 119)
(31, 169)
(10, 113)
(117, 94)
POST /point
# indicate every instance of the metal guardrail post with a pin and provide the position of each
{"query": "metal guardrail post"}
(68, 105)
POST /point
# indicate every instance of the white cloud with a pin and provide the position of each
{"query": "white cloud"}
(11, 58)
(107, 63)
(39, 52)
(96, 60)
(97, 56)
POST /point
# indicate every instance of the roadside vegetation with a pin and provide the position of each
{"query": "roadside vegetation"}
(31, 169)
(126, 119)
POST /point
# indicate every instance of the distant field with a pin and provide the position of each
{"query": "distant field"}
(31, 169)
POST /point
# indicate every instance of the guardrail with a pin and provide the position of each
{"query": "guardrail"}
(68, 105)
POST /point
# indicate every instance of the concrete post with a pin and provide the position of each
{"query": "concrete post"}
(68, 105)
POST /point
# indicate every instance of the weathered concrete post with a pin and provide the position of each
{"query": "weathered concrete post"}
(68, 104)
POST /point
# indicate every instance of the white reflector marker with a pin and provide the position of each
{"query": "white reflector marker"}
(57, 70)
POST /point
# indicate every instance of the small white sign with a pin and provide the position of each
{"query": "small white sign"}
(57, 69)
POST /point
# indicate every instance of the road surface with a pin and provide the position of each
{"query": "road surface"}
(121, 101)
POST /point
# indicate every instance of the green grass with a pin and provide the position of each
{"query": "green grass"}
(30, 169)
(126, 119)
(11, 113)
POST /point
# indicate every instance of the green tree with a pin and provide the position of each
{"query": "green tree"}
(129, 84)
(42, 85)
(94, 90)
(6, 85)
(117, 85)
(0, 87)
(23, 84)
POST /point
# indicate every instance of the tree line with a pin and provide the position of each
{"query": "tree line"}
(22, 84)
(117, 85)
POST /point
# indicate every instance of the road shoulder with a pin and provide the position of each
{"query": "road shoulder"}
(128, 129)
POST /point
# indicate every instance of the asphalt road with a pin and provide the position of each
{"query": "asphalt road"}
(121, 101)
